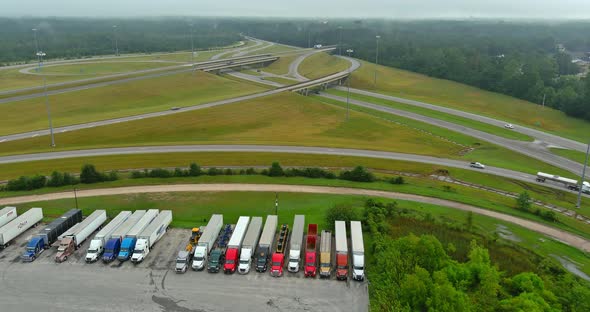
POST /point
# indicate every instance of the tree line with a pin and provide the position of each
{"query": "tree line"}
(524, 60)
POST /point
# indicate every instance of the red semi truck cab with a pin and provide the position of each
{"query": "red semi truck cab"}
(310, 251)
(277, 263)
(231, 260)
(341, 266)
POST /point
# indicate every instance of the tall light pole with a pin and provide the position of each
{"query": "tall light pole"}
(583, 177)
(376, 59)
(116, 42)
(349, 51)
(37, 48)
(339, 40)
(40, 55)
(192, 48)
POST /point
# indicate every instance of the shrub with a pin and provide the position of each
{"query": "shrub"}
(214, 171)
(523, 202)
(228, 172)
(160, 173)
(341, 212)
(358, 174)
(56, 179)
(90, 175)
(136, 174)
(24, 183)
(250, 171)
(276, 170)
(194, 170)
(549, 215)
(397, 180)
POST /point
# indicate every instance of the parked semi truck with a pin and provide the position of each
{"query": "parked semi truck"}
(296, 243)
(341, 251)
(19, 225)
(207, 241)
(151, 235)
(358, 251)
(185, 256)
(265, 243)
(97, 243)
(7, 214)
(83, 230)
(113, 245)
(278, 258)
(50, 233)
(568, 183)
(217, 255)
(249, 244)
(326, 254)
(232, 254)
(128, 243)
(311, 250)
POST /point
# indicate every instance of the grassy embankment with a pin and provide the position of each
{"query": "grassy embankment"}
(419, 87)
(190, 209)
(281, 66)
(322, 64)
(499, 131)
(127, 99)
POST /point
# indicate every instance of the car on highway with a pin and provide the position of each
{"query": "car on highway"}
(477, 165)
(509, 126)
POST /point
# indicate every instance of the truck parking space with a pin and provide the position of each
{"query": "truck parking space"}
(153, 286)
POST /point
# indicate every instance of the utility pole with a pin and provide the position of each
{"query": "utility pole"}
(583, 177)
(376, 59)
(116, 41)
(544, 99)
(349, 51)
(277, 203)
(76, 197)
(192, 48)
(48, 111)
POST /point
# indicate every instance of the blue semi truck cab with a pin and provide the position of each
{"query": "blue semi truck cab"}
(127, 248)
(111, 250)
(35, 247)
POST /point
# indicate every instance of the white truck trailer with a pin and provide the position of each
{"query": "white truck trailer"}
(206, 241)
(130, 239)
(296, 243)
(249, 244)
(19, 225)
(235, 243)
(97, 243)
(7, 214)
(264, 250)
(358, 251)
(150, 235)
(81, 232)
(568, 183)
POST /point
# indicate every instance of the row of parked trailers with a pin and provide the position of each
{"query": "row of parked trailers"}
(249, 243)
(138, 232)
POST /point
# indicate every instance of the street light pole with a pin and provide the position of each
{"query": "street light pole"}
(376, 59)
(277, 204)
(340, 40)
(37, 48)
(583, 177)
(349, 51)
(116, 43)
(40, 55)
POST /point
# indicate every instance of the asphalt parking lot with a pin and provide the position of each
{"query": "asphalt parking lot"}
(153, 286)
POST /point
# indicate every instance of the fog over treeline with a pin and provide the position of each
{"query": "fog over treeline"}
(549, 9)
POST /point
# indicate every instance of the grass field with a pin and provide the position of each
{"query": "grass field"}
(101, 68)
(322, 64)
(200, 56)
(192, 209)
(484, 152)
(143, 96)
(268, 120)
(414, 86)
(570, 154)
(11, 79)
(276, 48)
(281, 66)
(499, 131)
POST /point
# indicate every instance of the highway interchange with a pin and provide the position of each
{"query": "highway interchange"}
(170, 292)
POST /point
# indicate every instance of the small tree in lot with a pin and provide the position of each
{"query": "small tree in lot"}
(523, 202)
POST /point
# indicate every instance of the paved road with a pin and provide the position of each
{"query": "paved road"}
(521, 176)
(222, 54)
(531, 149)
(563, 236)
(550, 139)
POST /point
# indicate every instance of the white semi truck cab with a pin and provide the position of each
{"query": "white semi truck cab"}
(245, 261)
(142, 248)
(94, 250)
(199, 258)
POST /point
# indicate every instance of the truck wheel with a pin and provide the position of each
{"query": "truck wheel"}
(34, 258)
(65, 258)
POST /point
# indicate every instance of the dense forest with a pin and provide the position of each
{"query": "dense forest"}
(528, 60)
(76, 38)
(531, 61)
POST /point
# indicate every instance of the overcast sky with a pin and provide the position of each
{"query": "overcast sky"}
(551, 9)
